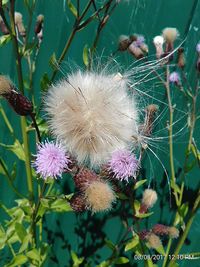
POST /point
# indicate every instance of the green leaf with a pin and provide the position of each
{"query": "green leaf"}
(109, 244)
(143, 215)
(4, 2)
(160, 250)
(72, 8)
(33, 254)
(44, 82)
(16, 148)
(121, 260)
(122, 196)
(175, 187)
(25, 243)
(53, 62)
(85, 55)
(17, 260)
(139, 183)
(4, 39)
(20, 230)
(76, 261)
(133, 243)
(57, 205)
(183, 210)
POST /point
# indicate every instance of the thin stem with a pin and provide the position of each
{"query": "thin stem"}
(9, 179)
(187, 229)
(21, 87)
(170, 129)
(10, 128)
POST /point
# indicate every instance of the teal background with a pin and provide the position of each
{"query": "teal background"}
(147, 17)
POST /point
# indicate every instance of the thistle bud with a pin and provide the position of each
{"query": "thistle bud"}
(39, 24)
(181, 58)
(3, 27)
(21, 105)
(174, 78)
(143, 234)
(123, 43)
(135, 50)
(160, 229)
(173, 232)
(158, 43)
(84, 177)
(77, 203)
(19, 24)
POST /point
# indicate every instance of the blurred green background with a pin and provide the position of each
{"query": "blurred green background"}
(85, 233)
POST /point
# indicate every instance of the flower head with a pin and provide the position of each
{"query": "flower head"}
(92, 114)
(51, 160)
(198, 48)
(149, 198)
(140, 40)
(19, 24)
(173, 232)
(99, 196)
(123, 42)
(5, 85)
(123, 164)
(158, 42)
(174, 77)
(153, 241)
(170, 34)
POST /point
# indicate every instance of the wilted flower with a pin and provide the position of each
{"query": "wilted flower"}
(123, 164)
(51, 160)
(153, 241)
(181, 58)
(39, 22)
(158, 42)
(149, 198)
(5, 85)
(173, 232)
(99, 196)
(135, 50)
(92, 114)
(174, 77)
(19, 24)
(170, 35)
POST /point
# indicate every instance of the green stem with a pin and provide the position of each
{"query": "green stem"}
(187, 229)
(21, 87)
(6, 120)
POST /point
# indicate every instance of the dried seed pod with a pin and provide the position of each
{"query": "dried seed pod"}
(20, 103)
(19, 24)
(181, 58)
(160, 229)
(147, 127)
(39, 24)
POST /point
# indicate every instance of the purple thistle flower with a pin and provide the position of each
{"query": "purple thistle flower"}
(198, 48)
(51, 160)
(140, 40)
(123, 164)
(174, 77)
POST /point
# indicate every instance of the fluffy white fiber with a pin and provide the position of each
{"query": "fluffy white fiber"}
(92, 114)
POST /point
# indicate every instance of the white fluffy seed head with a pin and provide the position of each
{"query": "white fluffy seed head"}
(170, 34)
(99, 196)
(92, 114)
(149, 198)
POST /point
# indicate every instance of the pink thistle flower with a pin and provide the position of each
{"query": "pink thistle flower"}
(140, 40)
(174, 77)
(123, 164)
(51, 160)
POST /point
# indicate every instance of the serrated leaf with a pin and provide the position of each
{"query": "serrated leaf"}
(25, 243)
(17, 260)
(72, 8)
(85, 55)
(139, 183)
(4, 39)
(133, 243)
(57, 205)
(121, 260)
